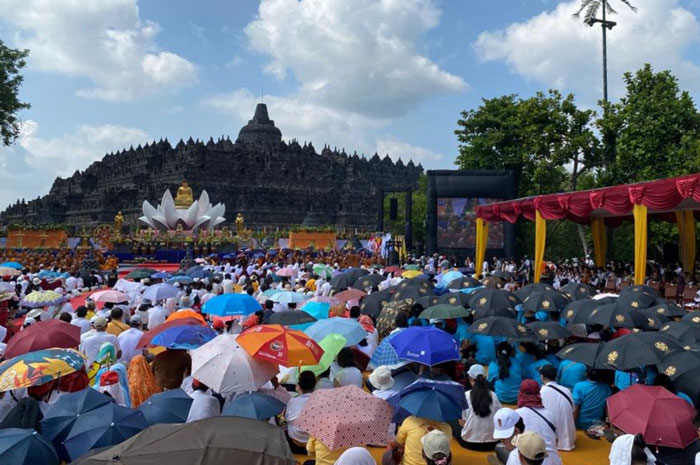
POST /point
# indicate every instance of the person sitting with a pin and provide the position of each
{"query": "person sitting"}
(116, 326)
(348, 374)
(408, 440)
(589, 398)
(531, 448)
(505, 374)
(477, 420)
(538, 419)
(569, 373)
(297, 437)
(436, 448)
(506, 425)
(320, 453)
(559, 400)
(630, 449)
(204, 405)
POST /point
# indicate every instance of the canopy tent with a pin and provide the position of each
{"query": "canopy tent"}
(671, 199)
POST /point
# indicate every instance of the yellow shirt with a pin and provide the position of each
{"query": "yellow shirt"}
(410, 434)
(116, 327)
(322, 454)
(311, 284)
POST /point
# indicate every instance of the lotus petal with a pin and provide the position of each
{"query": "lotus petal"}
(148, 221)
(204, 203)
(202, 221)
(191, 215)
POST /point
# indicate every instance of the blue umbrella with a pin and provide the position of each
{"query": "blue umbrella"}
(161, 275)
(200, 274)
(259, 255)
(446, 278)
(426, 345)
(318, 310)
(184, 279)
(62, 415)
(231, 304)
(349, 328)
(434, 400)
(255, 406)
(15, 265)
(160, 292)
(167, 407)
(184, 337)
(24, 446)
(102, 427)
(385, 354)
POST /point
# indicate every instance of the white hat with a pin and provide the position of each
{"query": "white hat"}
(33, 313)
(381, 378)
(475, 370)
(36, 281)
(435, 442)
(29, 321)
(504, 423)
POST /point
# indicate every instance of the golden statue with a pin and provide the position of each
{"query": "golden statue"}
(184, 197)
(240, 224)
(118, 222)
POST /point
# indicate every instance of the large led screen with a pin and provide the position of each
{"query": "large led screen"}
(456, 226)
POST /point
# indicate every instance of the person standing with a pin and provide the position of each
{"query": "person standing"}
(204, 405)
(90, 346)
(129, 339)
(559, 400)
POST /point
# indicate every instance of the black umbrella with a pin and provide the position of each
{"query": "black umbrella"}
(502, 274)
(500, 326)
(682, 331)
(689, 384)
(422, 282)
(579, 311)
(465, 282)
(455, 298)
(480, 313)
(528, 289)
(577, 291)
(679, 363)
(582, 352)
(410, 293)
(368, 281)
(654, 320)
(668, 309)
(427, 301)
(347, 278)
(547, 301)
(692, 318)
(663, 344)
(444, 312)
(639, 288)
(373, 303)
(636, 300)
(627, 353)
(496, 299)
(612, 316)
(290, 317)
(546, 330)
(493, 282)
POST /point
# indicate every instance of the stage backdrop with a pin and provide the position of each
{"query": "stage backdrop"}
(452, 196)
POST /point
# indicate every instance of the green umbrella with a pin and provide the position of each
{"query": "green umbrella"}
(444, 312)
(331, 345)
(140, 273)
(412, 267)
(322, 270)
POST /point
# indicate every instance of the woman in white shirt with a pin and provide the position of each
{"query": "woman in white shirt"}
(477, 419)
(348, 374)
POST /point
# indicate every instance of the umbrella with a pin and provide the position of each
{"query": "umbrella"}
(318, 310)
(668, 309)
(500, 326)
(418, 281)
(104, 426)
(679, 363)
(655, 320)
(392, 269)
(36, 299)
(160, 291)
(323, 300)
(140, 273)
(231, 304)
(627, 353)
(426, 345)
(614, 316)
(287, 297)
(579, 311)
(368, 281)
(277, 344)
(200, 274)
(24, 446)
(347, 278)
(184, 337)
(350, 294)
(285, 272)
(323, 271)
(167, 407)
(9, 271)
(385, 354)
(345, 417)
(226, 368)
(213, 441)
(38, 367)
(548, 301)
(430, 300)
(435, 400)
(692, 318)
(255, 405)
(578, 291)
(465, 282)
(481, 313)
(445, 278)
(635, 300)
(681, 330)
(15, 265)
(411, 274)
(410, 294)
(184, 314)
(444, 312)
(582, 352)
(331, 345)
(455, 298)
(493, 282)
(496, 299)
(180, 279)
(151, 333)
(639, 288)
(528, 289)
(43, 335)
(61, 416)
(161, 275)
(502, 274)
(372, 304)
(663, 418)
(546, 330)
(349, 328)
(110, 295)
(291, 317)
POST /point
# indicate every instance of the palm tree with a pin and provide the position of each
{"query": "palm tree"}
(591, 8)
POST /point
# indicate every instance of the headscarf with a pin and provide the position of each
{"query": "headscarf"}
(356, 456)
(529, 395)
(142, 382)
(107, 354)
(120, 370)
(366, 322)
(621, 451)
(73, 382)
(109, 383)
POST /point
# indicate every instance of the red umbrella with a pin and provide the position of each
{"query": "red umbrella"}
(350, 294)
(43, 335)
(663, 418)
(150, 334)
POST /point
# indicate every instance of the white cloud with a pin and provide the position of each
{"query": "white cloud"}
(361, 56)
(105, 41)
(555, 49)
(397, 148)
(29, 167)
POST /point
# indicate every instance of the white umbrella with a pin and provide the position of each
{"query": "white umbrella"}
(160, 292)
(288, 297)
(109, 295)
(227, 368)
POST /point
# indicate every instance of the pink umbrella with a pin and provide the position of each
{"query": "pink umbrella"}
(110, 295)
(350, 294)
(322, 299)
(346, 417)
(285, 272)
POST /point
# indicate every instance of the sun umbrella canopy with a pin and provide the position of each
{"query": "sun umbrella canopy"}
(256, 406)
(9, 271)
(39, 367)
(331, 345)
(465, 282)
(500, 326)
(635, 300)
(184, 279)
(214, 441)
(43, 335)
(546, 330)
(615, 316)
(639, 288)
(285, 272)
(151, 333)
(454, 298)
(318, 310)
(323, 271)
(36, 299)
(109, 295)
(682, 330)
(411, 294)
(372, 304)
(102, 427)
(579, 311)
(184, 337)
(231, 304)
(350, 294)
(430, 300)
(186, 313)
(368, 281)
(418, 281)
(679, 363)
(227, 368)
(24, 446)
(166, 407)
(385, 354)
(496, 299)
(161, 275)
(349, 328)
(435, 400)
(277, 344)
(628, 352)
(426, 345)
(578, 291)
(663, 418)
(346, 417)
(140, 273)
(528, 289)
(444, 312)
(15, 265)
(547, 301)
(160, 291)
(668, 309)
(291, 317)
(287, 297)
(409, 274)
(582, 352)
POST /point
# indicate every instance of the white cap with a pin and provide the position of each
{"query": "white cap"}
(435, 442)
(381, 378)
(504, 423)
(475, 370)
(34, 313)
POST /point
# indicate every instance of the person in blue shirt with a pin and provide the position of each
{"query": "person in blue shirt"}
(625, 379)
(589, 399)
(531, 359)
(569, 373)
(505, 374)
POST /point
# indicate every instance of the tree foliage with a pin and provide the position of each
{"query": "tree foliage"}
(11, 62)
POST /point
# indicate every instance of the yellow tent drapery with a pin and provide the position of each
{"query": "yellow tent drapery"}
(686, 238)
(600, 240)
(640, 243)
(540, 240)
(482, 234)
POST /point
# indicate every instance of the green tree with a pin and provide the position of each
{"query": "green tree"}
(11, 62)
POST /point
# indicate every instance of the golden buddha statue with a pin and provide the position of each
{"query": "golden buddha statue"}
(184, 197)
(240, 224)
(118, 222)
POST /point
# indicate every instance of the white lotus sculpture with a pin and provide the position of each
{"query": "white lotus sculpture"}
(201, 214)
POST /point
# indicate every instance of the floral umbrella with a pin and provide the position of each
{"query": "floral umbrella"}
(36, 299)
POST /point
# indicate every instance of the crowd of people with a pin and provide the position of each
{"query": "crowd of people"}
(523, 402)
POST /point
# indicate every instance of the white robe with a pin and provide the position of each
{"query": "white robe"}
(563, 412)
(203, 406)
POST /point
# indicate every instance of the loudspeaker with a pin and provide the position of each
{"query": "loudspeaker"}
(393, 209)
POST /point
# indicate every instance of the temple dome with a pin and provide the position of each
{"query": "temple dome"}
(260, 129)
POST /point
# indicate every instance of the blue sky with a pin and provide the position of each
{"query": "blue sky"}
(369, 75)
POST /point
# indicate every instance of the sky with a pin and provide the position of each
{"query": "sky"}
(386, 76)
